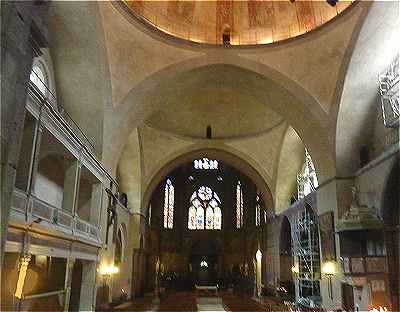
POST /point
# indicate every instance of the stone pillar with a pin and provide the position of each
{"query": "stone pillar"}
(88, 286)
(67, 283)
(71, 181)
(96, 203)
(16, 59)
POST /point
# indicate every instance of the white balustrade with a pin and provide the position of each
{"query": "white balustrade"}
(18, 200)
(54, 215)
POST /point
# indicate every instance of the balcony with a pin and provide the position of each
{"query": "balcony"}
(28, 209)
(59, 183)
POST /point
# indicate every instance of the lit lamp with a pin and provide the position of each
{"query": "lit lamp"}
(108, 271)
(295, 270)
(258, 273)
(328, 269)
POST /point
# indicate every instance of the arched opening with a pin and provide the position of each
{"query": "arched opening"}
(39, 78)
(391, 218)
(119, 247)
(236, 161)
(203, 265)
(204, 246)
(286, 285)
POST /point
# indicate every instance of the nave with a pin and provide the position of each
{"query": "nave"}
(192, 301)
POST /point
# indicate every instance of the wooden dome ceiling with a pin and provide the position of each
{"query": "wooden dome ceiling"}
(243, 22)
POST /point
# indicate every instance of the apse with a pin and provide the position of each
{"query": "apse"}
(204, 214)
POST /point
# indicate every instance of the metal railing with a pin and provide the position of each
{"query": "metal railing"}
(18, 200)
(86, 228)
(389, 82)
(48, 99)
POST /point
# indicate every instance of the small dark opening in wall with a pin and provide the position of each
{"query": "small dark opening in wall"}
(332, 2)
(226, 37)
(364, 155)
(208, 132)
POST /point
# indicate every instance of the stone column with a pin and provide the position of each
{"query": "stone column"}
(16, 60)
(96, 203)
(67, 283)
(87, 298)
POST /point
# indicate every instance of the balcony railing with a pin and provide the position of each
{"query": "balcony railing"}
(47, 98)
(63, 220)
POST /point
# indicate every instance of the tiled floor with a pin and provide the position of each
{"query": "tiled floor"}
(190, 301)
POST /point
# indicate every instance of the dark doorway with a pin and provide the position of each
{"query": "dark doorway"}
(204, 262)
(347, 297)
(76, 286)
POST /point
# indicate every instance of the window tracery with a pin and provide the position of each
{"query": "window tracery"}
(205, 163)
(205, 211)
(307, 179)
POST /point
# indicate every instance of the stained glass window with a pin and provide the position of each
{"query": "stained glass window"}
(258, 210)
(200, 218)
(205, 163)
(239, 205)
(204, 211)
(307, 179)
(149, 214)
(168, 205)
(209, 218)
(217, 218)
(192, 218)
(38, 78)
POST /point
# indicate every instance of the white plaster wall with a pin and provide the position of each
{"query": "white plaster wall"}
(48, 191)
(372, 183)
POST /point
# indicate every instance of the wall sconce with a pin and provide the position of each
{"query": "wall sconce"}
(108, 270)
(328, 268)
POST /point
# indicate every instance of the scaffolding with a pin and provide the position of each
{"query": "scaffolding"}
(389, 94)
(305, 242)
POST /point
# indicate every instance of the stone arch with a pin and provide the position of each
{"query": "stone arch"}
(373, 43)
(296, 102)
(122, 235)
(130, 161)
(285, 255)
(245, 166)
(291, 160)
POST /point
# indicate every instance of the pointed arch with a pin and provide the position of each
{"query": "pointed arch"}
(169, 199)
